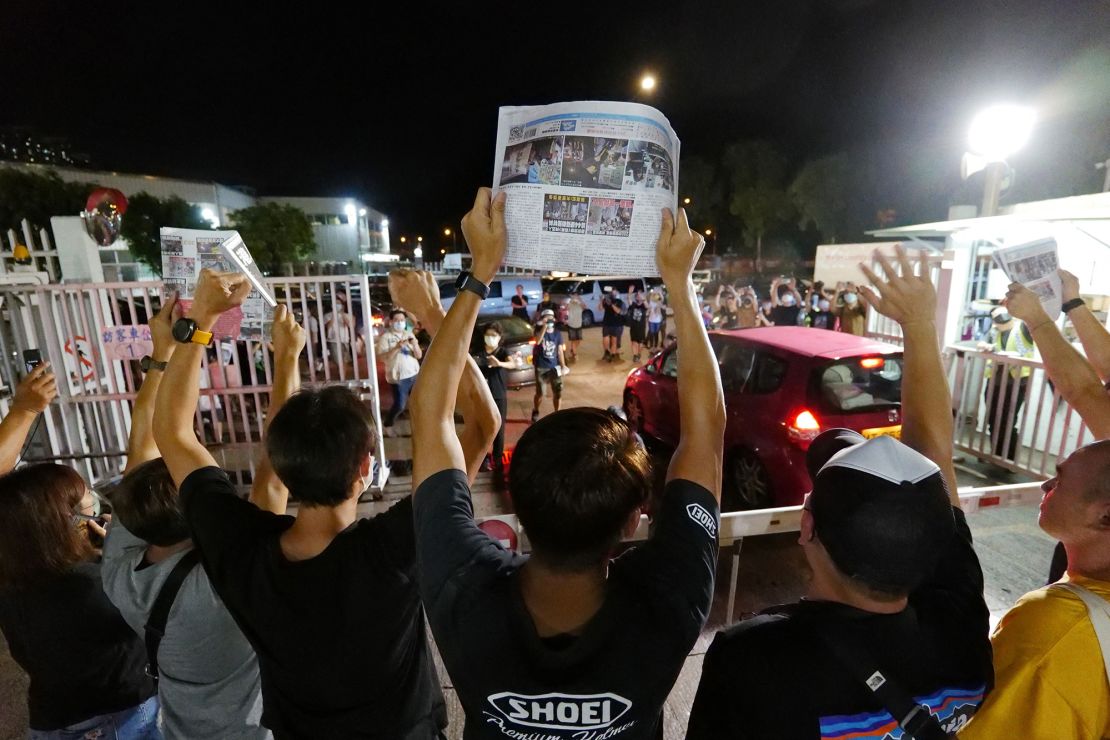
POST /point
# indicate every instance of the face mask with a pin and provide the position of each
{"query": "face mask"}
(766, 306)
(787, 300)
(849, 298)
(550, 327)
(491, 341)
(823, 305)
(398, 326)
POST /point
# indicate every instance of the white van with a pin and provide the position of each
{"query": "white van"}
(501, 291)
(591, 288)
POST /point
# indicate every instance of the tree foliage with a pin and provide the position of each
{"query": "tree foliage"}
(36, 197)
(275, 233)
(146, 214)
(757, 175)
(820, 194)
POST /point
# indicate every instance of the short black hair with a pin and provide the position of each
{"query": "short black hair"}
(146, 502)
(495, 327)
(396, 311)
(317, 443)
(574, 512)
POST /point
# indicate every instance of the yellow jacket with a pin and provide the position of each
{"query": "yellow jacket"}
(1050, 681)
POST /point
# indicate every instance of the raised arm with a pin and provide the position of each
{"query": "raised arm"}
(911, 300)
(435, 444)
(140, 444)
(418, 293)
(267, 490)
(701, 402)
(33, 394)
(1072, 375)
(1093, 335)
(177, 397)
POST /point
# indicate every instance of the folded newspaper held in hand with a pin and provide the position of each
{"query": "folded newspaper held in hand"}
(585, 183)
(185, 252)
(1035, 265)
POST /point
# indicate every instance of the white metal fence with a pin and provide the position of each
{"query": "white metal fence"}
(88, 426)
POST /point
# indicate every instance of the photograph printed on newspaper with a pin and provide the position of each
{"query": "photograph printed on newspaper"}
(585, 184)
(1035, 265)
(185, 252)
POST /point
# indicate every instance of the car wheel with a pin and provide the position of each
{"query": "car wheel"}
(634, 412)
(587, 319)
(746, 483)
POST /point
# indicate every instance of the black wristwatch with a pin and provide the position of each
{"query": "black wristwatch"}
(467, 281)
(1073, 304)
(148, 363)
(185, 331)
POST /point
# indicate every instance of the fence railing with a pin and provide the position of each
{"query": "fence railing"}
(88, 426)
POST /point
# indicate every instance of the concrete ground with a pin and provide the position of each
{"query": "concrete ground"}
(1014, 553)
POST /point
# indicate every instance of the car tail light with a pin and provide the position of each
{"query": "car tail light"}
(871, 363)
(803, 428)
(532, 342)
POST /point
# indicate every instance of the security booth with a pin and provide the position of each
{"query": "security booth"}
(1007, 411)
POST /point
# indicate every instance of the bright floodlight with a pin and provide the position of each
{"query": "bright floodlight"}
(647, 83)
(350, 211)
(418, 253)
(207, 214)
(385, 221)
(362, 211)
(1001, 130)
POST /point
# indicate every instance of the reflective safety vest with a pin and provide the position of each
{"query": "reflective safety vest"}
(1016, 344)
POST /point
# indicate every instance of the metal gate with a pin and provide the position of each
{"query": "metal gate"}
(87, 427)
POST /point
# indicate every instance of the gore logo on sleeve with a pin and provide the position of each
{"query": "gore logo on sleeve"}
(561, 711)
(698, 513)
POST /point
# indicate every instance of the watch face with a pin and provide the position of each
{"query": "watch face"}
(183, 329)
(145, 363)
(461, 279)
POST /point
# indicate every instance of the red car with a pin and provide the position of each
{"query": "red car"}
(783, 386)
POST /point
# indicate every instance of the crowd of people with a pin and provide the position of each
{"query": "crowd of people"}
(192, 613)
(740, 307)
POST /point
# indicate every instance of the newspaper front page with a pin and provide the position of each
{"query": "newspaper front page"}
(185, 252)
(1035, 265)
(585, 183)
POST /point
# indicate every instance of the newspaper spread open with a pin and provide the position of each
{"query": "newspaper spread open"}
(585, 183)
(185, 252)
(1035, 265)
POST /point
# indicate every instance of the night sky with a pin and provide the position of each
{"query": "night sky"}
(399, 107)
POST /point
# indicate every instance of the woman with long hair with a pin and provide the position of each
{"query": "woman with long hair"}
(87, 667)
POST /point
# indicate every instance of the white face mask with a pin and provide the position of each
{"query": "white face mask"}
(492, 340)
(823, 305)
(787, 300)
(398, 326)
(849, 298)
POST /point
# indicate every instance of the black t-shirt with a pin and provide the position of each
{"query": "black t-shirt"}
(340, 637)
(726, 319)
(82, 658)
(822, 319)
(785, 315)
(494, 375)
(609, 681)
(520, 306)
(614, 315)
(772, 676)
(637, 316)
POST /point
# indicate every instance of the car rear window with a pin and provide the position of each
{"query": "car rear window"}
(861, 383)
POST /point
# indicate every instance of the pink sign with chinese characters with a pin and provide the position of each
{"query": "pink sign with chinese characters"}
(126, 342)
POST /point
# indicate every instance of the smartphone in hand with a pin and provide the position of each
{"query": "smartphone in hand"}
(32, 358)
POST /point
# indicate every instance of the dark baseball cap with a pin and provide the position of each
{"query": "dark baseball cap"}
(880, 508)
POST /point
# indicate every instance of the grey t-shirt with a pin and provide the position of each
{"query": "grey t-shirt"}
(208, 685)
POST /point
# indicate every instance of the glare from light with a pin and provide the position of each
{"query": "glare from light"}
(685, 201)
(418, 253)
(404, 239)
(385, 221)
(443, 251)
(647, 83)
(1001, 130)
(362, 211)
(709, 232)
(419, 238)
(447, 232)
(350, 211)
(207, 215)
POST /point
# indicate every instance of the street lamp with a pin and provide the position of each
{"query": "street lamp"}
(404, 239)
(996, 133)
(647, 82)
(454, 239)
(685, 201)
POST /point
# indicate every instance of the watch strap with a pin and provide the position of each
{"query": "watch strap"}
(149, 363)
(467, 281)
(1073, 304)
(201, 337)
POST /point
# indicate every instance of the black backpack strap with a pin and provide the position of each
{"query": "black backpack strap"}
(914, 719)
(155, 628)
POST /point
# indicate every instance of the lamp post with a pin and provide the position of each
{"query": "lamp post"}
(996, 133)
(454, 239)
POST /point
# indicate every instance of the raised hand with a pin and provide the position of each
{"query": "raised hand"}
(218, 292)
(35, 392)
(907, 298)
(678, 248)
(1026, 305)
(484, 230)
(161, 328)
(417, 292)
(287, 335)
(1070, 285)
